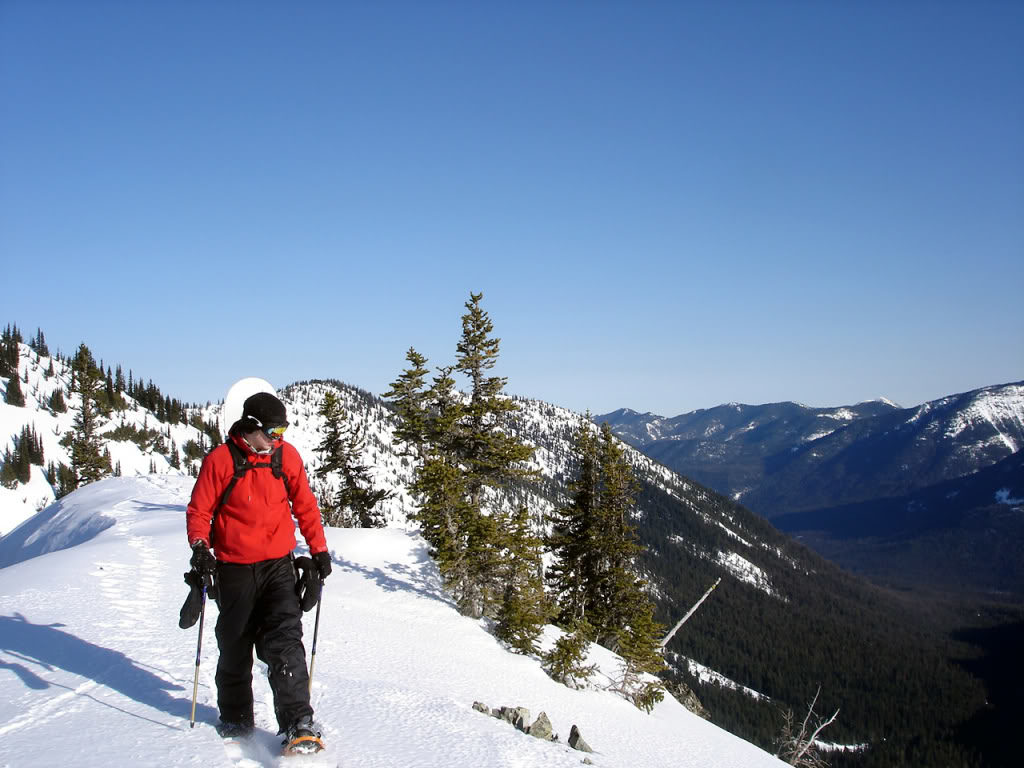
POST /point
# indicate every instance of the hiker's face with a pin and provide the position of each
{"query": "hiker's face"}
(259, 441)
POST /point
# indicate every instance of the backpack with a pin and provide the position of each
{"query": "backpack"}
(243, 465)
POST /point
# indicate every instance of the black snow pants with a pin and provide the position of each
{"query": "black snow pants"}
(259, 609)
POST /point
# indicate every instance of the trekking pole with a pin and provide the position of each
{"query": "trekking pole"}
(316, 630)
(199, 651)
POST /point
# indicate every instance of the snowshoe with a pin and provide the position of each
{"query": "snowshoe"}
(302, 738)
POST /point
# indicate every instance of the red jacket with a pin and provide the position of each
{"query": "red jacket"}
(256, 522)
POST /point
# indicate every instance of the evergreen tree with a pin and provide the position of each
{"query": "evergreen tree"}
(492, 455)
(445, 515)
(9, 352)
(108, 390)
(56, 402)
(464, 454)
(573, 535)
(614, 591)
(14, 395)
(638, 647)
(489, 454)
(22, 464)
(566, 661)
(524, 608)
(9, 470)
(29, 445)
(88, 461)
(38, 344)
(356, 502)
(66, 481)
(595, 546)
(409, 397)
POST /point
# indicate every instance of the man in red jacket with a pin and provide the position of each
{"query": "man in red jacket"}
(242, 506)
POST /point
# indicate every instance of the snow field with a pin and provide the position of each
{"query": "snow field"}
(94, 670)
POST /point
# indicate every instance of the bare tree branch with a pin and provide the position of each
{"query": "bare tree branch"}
(802, 749)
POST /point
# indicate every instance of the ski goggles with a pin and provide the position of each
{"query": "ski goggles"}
(275, 433)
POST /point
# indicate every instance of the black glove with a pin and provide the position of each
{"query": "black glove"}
(193, 604)
(202, 560)
(307, 583)
(322, 560)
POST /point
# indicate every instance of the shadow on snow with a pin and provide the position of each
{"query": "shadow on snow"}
(49, 648)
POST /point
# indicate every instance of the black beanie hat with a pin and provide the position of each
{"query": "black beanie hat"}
(264, 410)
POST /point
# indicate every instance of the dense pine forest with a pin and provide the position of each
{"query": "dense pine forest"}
(889, 662)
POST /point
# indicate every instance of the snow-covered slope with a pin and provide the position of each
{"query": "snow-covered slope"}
(19, 503)
(95, 672)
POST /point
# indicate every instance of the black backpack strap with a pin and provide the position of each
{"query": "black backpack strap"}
(277, 467)
(242, 465)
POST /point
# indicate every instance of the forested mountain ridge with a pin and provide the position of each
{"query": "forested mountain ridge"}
(783, 458)
(776, 425)
(909, 497)
(964, 535)
(782, 622)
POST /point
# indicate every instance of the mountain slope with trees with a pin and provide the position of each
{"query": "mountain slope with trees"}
(903, 496)
(962, 535)
(782, 622)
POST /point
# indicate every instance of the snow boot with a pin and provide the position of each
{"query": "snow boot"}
(233, 731)
(302, 738)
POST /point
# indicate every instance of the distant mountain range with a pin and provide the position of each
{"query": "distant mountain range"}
(926, 496)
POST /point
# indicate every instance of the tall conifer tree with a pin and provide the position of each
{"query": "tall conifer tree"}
(593, 575)
(464, 450)
(614, 590)
(9, 352)
(490, 455)
(88, 461)
(573, 535)
(524, 607)
(409, 398)
(445, 514)
(14, 394)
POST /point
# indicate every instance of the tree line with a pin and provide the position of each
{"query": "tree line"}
(102, 394)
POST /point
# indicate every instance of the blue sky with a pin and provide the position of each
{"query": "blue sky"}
(666, 205)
